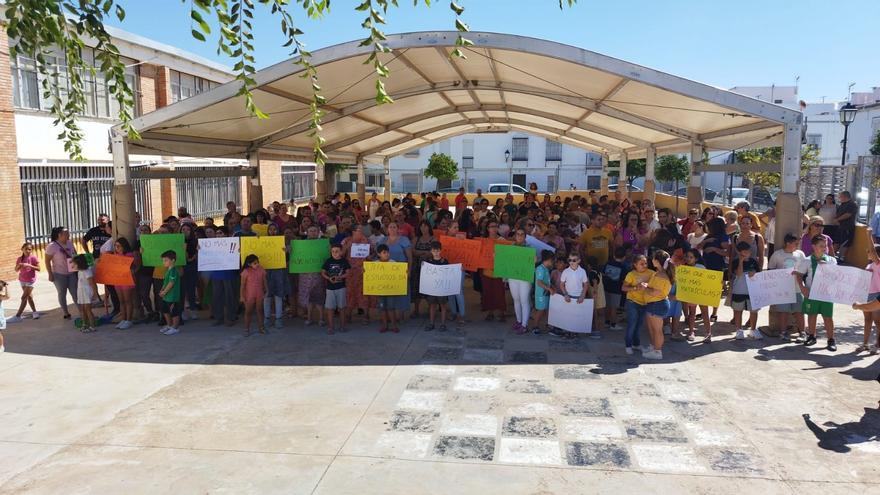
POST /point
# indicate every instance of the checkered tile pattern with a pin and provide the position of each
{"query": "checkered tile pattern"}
(503, 400)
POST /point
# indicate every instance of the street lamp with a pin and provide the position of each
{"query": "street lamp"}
(506, 156)
(847, 116)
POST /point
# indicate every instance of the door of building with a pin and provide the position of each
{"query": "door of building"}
(520, 180)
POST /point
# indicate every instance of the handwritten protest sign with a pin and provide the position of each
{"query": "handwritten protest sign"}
(156, 244)
(772, 287)
(515, 262)
(840, 284)
(384, 278)
(114, 269)
(219, 253)
(440, 280)
(464, 251)
(308, 255)
(360, 250)
(260, 229)
(538, 244)
(571, 316)
(487, 253)
(698, 285)
(270, 250)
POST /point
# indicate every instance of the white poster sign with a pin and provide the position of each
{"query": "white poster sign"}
(538, 244)
(359, 250)
(440, 280)
(840, 284)
(219, 253)
(772, 287)
(571, 316)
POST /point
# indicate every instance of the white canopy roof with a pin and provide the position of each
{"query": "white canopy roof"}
(507, 82)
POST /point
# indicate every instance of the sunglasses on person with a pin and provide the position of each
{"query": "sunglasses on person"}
(817, 225)
(574, 260)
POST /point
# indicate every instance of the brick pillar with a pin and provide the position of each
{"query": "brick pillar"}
(12, 213)
(168, 198)
(270, 179)
(151, 81)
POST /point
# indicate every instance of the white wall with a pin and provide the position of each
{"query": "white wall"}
(861, 131)
(490, 166)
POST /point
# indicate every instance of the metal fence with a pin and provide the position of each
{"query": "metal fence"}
(297, 182)
(207, 196)
(71, 195)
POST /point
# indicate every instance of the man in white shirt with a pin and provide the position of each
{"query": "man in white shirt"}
(649, 221)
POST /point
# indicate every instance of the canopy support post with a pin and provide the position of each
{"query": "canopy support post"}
(695, 189)
(386, 165)
(622, 184)
(603, 181)
(362, 182)
(124, 217)
(255, 189)
(650, 155)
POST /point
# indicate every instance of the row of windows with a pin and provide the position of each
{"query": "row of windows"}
(28, 92)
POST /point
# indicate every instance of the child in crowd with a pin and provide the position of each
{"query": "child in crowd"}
(125, 293)
(788, 258)
(657, 302)
(335, 272)
(556, 275)
(691, 258)
(812, 308)
(27, 266)
(86, 290)
(612, 276)
(635, 284)
(435, 301)
(312, 295)
(597, 292)
(386, 303)
(872, 318)
(574, 281)
(278, 287)
(742, 266)
(253, 290)
(4, 295)
(172, 305)
(543, 290)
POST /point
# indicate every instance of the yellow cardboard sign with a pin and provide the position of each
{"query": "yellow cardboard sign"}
(260, 229)
(270, 250)
(698, 285)
(384, 278)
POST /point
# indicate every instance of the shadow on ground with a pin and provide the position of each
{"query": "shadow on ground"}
(842, 438)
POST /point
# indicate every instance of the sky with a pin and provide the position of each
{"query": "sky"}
(828, 44)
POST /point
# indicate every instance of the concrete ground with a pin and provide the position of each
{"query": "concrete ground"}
(479, 410)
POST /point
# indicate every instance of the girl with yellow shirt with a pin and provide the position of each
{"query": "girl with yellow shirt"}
(657, 302)
(635, 285)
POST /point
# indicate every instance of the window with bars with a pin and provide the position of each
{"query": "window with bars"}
(594, 160)
(27, 90)
(520, 151)
(814, 141)
(185, 86)
(553, 151)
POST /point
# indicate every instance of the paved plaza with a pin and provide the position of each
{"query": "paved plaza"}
(477, 410)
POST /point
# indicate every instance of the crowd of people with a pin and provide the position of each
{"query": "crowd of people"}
(622, 254)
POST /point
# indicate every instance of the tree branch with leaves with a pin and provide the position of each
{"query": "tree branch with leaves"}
(38, 26)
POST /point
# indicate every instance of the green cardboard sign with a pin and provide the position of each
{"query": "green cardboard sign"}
(154, 245)
(514, 262)
(309, 255)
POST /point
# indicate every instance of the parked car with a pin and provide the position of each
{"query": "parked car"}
(448, 190)
(708, 193)
(504, 188)
(613, 187)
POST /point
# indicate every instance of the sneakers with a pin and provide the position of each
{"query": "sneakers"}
(784, 336)
(536, 331)
(811, 340)
(862, 348)
(2, 348)
(164, 329)
(557, 332)
(429, 327)
(872, 350)
(124, 325)
(646, 348)
(667, 330)
(740, 335)
(629, 350)
(15, 319)
(832, 345)
(653, 355)
(756, 335)
(36, 315)
(171, 331)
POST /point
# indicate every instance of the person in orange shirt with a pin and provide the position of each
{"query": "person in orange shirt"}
(460, 200)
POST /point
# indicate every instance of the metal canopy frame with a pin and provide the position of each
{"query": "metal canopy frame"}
(506, 81)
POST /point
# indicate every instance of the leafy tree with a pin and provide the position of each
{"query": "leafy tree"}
(442, 166)
(875, 144)
(670, 168)
(38, 26)
(634, 169)
(809, 160)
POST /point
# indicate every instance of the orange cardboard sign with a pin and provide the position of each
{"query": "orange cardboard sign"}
(464, 251)
(113, 269)
(487, 254)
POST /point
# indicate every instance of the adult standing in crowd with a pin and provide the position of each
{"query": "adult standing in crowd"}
(59, 255)
(845, 216)
(99, 236)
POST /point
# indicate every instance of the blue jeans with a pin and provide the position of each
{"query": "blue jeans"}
(635, 316)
